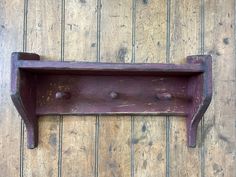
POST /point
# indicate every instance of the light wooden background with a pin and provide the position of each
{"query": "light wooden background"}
(120, 31)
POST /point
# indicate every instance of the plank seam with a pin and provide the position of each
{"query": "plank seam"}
(168, 6)
(202, 27)
(60, 131)
(62, 29)
(62, 59)
(235, 37)
(132, 147)
(96, 151)
(133, 30)
(96, 145)
(98, 29)
(22, 149)
(25, 25)
(133, 61)
(202, 46)
(235, 66)
(22, 123)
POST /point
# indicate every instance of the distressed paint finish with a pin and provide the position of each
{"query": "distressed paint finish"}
(43, 35)
(59, 88)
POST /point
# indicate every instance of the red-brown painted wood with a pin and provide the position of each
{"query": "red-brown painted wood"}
(75, 88)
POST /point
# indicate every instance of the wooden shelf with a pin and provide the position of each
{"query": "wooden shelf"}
(76, 88)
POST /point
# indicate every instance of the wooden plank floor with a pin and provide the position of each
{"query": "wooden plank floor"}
(127, 31)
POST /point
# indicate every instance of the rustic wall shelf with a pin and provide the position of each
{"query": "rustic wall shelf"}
(76, 88)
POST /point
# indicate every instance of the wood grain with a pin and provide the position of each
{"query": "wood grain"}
(116, 46)
(150, 32)
(80, 44)
(150, 47)
(78, 157)
(184, 41)
(11, 39)
(80, 31)
(44, 37)
(116, 31)
(219, 133)
(114, 146)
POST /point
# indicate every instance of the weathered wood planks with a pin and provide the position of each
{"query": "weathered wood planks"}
(184, 40)
(11, 38)
(150, 47)
(114, 135)
(80, 44)
(43, 35)
(219, 133)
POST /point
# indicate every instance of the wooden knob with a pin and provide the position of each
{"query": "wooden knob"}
(62, 95)
(114, 95)
(164, 96)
